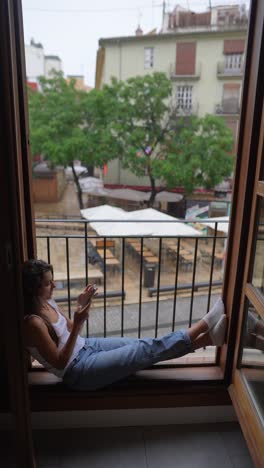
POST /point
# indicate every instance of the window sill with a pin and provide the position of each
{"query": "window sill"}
(152, 388)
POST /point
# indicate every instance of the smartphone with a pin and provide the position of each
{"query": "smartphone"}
(92, 293)
(94, 290)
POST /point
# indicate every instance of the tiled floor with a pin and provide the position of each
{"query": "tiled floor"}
(183, 446)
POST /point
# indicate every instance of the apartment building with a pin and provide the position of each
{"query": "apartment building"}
(202, 54)
(39, 64)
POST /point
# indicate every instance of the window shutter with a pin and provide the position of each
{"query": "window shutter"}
(234, 46)
(231, 90)
(231, 97)
(185, 58)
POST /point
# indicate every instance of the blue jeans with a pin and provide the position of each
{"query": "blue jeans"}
(103, 361)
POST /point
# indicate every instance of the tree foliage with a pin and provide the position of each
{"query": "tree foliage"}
(198, 155)
(134, 120)
(68, 124)
(156, 141)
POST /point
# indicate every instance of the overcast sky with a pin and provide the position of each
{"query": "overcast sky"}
(71, 28)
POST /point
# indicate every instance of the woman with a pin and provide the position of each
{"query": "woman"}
(91, 363)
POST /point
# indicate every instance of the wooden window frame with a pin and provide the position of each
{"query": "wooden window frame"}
(238, 268)
(17, 231)
(171, 389)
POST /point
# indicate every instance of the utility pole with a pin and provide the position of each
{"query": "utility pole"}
(210, 5)
(163, 13)
(163, 9)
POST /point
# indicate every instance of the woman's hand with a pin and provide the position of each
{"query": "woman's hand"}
(81, 314)
(85, 296)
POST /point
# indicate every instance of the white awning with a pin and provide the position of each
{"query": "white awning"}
(160, 227)
(104, 214)
(111, 221)
(222, 223)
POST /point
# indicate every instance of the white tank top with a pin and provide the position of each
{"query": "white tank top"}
(62, 333)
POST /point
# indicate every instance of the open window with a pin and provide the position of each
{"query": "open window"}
(240, 362)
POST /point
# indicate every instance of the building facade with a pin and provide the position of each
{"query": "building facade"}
(52, 63)
(202, 54)
(39, 64)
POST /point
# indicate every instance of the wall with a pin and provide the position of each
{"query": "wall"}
(119, 418)
(125, 59)
(52, 64)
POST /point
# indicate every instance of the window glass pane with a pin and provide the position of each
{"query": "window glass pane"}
(253, 356)
(258, 265)
(149, 57)
(184, 98)
(233, 62)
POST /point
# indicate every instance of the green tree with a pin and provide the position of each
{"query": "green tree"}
(199, 154)
(67, 124)
(155, 141)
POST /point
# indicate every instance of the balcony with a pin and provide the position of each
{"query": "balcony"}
(183, 111)
(190, 77)
(148, 286)
(223, 72)
(228, 106)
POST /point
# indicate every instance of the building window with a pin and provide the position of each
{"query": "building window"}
(233, 62)
(148, 57)
(184, 98)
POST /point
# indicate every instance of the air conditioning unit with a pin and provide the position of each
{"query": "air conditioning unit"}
(219, 109)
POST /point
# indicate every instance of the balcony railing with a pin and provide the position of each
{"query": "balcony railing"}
(186, 110)
(224, 72)
(228, 106)
(148, 286)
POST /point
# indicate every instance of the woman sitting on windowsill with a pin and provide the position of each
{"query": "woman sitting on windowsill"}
(92, 363)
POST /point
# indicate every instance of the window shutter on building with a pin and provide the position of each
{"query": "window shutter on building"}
(231, 89)
(231, 94)
(185, 58)
(234, 46)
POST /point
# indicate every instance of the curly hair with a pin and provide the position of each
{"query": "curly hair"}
(32, 276)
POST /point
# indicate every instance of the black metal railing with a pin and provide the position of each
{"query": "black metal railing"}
(146, 284)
